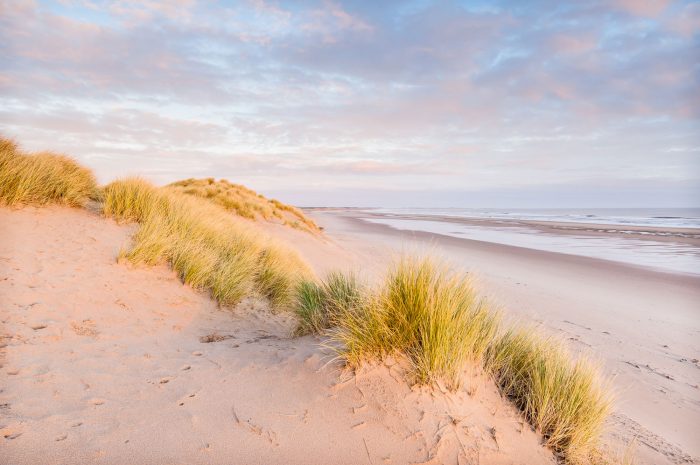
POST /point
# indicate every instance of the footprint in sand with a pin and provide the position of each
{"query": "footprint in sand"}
(185, 368)
(37, 327)
(96, 401)
(166, 380)
(10, 432)
(61, 438)
(360, 425)
(197, 353)
(84, 328)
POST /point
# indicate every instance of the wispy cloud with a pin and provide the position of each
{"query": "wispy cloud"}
(409, 95)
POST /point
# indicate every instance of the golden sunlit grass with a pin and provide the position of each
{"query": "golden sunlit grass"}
(41, 178)
(208, 249)
(432, 315)
(244, 202)
(564, 398)
(423, 310)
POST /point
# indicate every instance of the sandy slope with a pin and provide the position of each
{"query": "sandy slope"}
(644, 325)
(110, 364)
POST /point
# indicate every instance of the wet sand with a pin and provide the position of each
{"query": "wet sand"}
(643, 324)
(687, 236)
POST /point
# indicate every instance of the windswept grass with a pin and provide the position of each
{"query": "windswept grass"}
(432, 315)
(244, 202)
(423, 310)
(436, 318)
(42, 178)
(207, 248)
(322, 306)
(564, 398)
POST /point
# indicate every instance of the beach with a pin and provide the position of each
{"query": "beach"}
(643, 324)
(107, 362)
(350, 233)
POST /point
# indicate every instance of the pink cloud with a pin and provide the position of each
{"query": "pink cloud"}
(648, 8)
(139, 11)
(573, 44)
(331, 20)
(374, 167)
(687, 22)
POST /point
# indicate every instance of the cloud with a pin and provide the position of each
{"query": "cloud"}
(334, 93)
(687, 22)
(649, 8)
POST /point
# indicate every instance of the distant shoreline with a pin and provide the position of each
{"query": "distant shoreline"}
(359, 219)
(688, 236)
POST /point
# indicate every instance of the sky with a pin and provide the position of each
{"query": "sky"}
(368, 103)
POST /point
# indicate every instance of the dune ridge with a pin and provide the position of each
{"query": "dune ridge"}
(244, 202)
(207, 248)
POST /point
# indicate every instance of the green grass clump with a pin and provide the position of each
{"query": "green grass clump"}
(206, 247)
(566, 399)
(427, 312)
(244, 202)
(42, 178)
(423, 310)
(309, 308)
(322, 306)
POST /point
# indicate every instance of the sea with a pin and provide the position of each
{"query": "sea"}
(676, 253)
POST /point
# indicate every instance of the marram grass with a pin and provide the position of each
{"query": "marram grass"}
(432, 315)
(42, 178)
(321, 306)
(566, 399)
(207, 248)
(423, 310)
(244, 202)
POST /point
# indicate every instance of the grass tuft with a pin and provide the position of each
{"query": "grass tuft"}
(322, 306)
(206, 247)
(42, 178)
(423, 310)
(564, 398)
(427, 312)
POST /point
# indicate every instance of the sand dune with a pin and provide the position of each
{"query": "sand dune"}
(106, 363)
